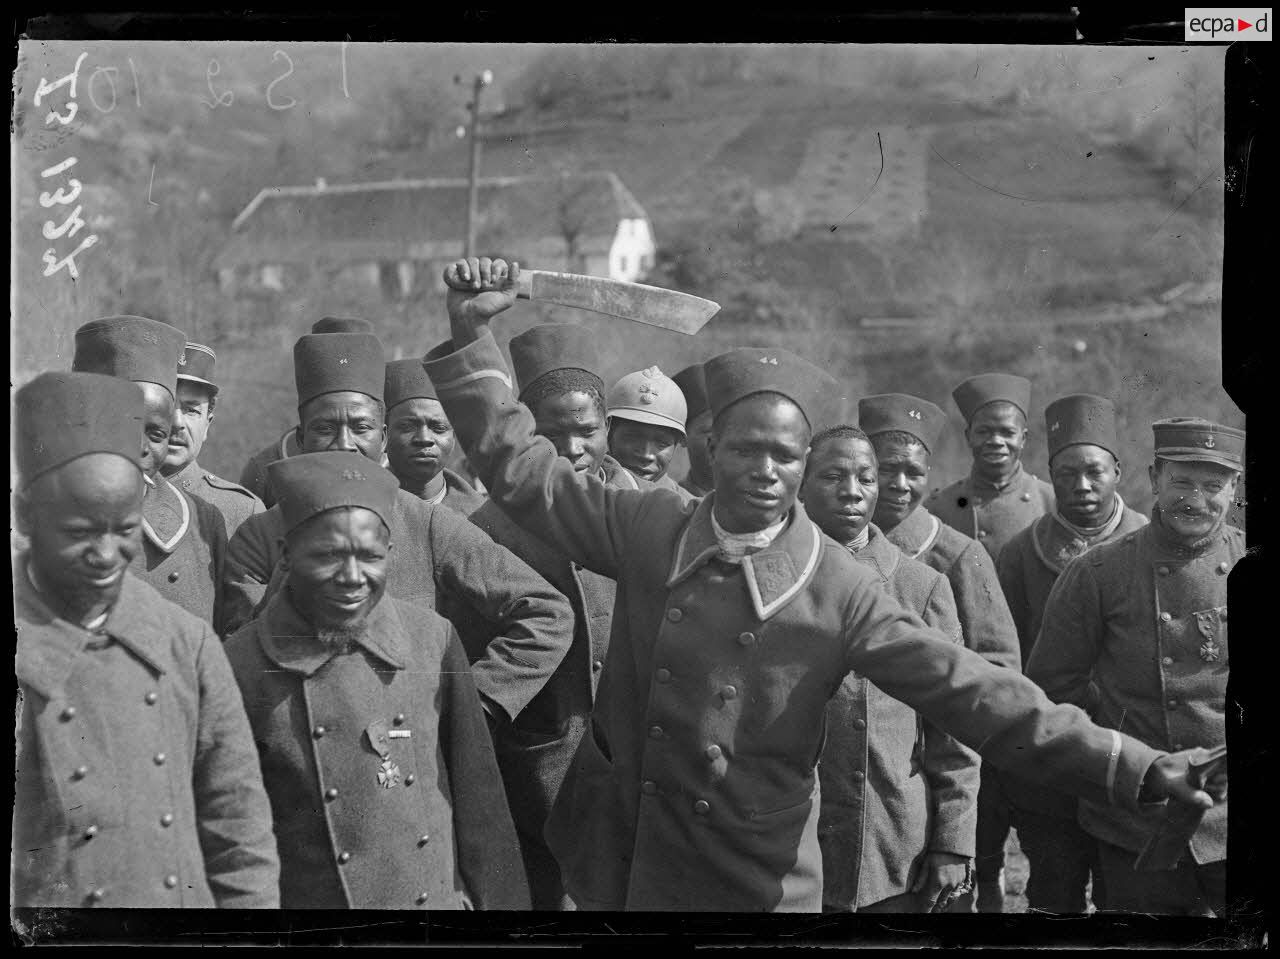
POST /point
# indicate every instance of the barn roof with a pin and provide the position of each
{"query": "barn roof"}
(425, 219)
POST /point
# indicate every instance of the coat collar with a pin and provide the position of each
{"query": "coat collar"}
(774, 575)
(188, 476)
(1011, 485)
(289, 641)
(166, 516)
(615, 474)
(916, 534)
(879, 553)
(48, 645)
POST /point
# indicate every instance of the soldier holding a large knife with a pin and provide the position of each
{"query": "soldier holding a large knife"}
(695, 785)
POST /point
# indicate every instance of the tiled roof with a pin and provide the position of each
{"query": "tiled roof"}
(426, 219)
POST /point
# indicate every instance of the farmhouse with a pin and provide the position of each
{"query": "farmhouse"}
(394, 237)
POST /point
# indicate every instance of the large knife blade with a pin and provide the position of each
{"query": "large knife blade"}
(667, 309)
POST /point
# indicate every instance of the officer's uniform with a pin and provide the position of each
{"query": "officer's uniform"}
(894, 787)
(377, 760)
(233, 501)
(649, 396)
(992, 514)
(254, 475)
(1137, 629)
(184, 539)
(534, 752)
(694, 387)
(440, 561)
(136, 782)
(1060, 853)
(694, 786)
(406, 380)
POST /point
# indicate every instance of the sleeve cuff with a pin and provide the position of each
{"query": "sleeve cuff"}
(1129, 768)
(478, 360)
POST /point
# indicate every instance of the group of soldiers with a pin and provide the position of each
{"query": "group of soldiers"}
(793, 680)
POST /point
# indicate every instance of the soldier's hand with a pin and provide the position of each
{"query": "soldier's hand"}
(479, 288)
(1169, 777)
(943, 877)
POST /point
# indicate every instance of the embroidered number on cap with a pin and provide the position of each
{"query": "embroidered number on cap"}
(352, 475)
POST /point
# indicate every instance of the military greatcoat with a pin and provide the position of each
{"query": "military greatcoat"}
(378, 764)
(233, 501)
(254, 475)
(137, 782)
(440, 561)
(992, 515)
(1144, 620)
(460, 496)
(184, 549)
(695, 784)
(534, 752)
(985, 623)
(894, 787)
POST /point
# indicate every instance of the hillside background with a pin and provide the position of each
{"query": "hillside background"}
(1055, 212)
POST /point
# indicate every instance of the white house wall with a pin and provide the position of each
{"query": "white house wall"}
(631, 254)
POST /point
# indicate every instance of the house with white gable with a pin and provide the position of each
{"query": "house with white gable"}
(394, 237)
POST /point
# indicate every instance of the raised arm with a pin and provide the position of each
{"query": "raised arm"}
(576, 512)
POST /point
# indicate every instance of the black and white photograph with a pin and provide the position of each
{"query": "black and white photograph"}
(642, 478)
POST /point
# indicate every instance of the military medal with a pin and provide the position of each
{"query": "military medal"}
(388, 774)
(1209, 650)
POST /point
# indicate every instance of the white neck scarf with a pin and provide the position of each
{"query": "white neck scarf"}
(439, 497)
(859, 541)
(734, 546)
(1101, 532)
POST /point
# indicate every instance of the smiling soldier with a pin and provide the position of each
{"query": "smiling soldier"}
(899, 796)
(373, 744)
(184, 539)
(695, 786)
(1084, 465)
(197, 397)
(420, 440)
(136, 780)
(254, 475)
(998, 499)
(646, 423)
(1136, 630)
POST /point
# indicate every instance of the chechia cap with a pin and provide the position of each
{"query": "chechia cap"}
(977, 391)
(338, 324)
(549, 347)
(1081, 418)
(735, 375)
(132, 348)
(59, 417)
(313, 483)
(407, 380)
(902, 412)
(338, 362)
(693, 384)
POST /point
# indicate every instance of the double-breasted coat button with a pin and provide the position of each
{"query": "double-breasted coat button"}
(318, 731)
(166, 820)
(1223, 568)
(729, 692)
(331, 794)
(97, 895)
(151, 698)
(422, 899)
(1168, 661)
(1173, 703)
(410, 779)
(675, 615)
(170, 881)
(746, 639)
(713, 752)
(159, 759)
(859, 724)
(597, 665)
(344, 857)
(655, 732)
(649, 787)
(1223, 615)
(859, 775)
(173, 577)
(1026, 497)
(664, 675)
(1162, 570)
(424, 839)
(701, 807)
(982, 534)
(399, 720)
(91, 832)
(68, 714)
(80, 772)
(1165, 617)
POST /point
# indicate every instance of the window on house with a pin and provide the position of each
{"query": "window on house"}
(622, 264)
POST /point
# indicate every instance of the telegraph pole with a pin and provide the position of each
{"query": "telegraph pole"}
(482, 80)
